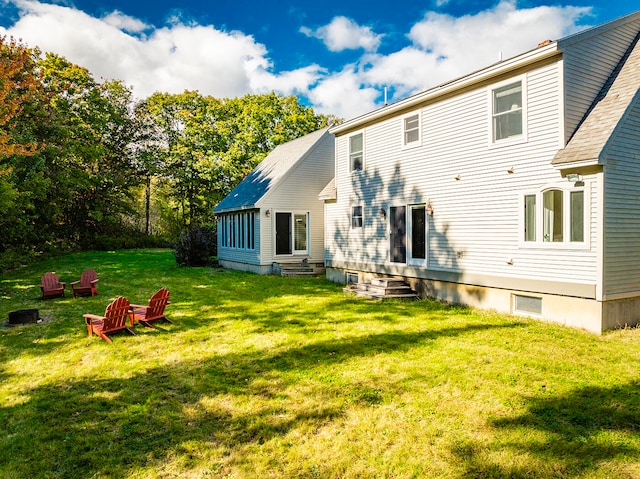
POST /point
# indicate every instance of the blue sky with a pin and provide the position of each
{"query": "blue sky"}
(338, 56)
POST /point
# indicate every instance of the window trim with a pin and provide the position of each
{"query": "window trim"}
(512, 140)
(403, 127)
(349, 153)
(566, 243)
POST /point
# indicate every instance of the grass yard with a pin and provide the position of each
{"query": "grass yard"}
(271, 377)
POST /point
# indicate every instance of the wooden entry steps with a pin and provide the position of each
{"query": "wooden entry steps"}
(296, 270)
(383, 288)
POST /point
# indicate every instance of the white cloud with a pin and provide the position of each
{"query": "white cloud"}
(172, 58)
(443, 48)
(186, 56)
(126, 23)
(345, 34)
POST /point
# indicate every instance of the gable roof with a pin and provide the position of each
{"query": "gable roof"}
(597, 128)
(270, 172)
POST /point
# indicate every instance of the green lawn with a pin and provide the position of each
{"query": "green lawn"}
(270, 377)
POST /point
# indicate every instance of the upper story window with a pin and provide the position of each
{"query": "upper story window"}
(356, 217)
(507, 111)
(411, 130)
(356, 152)
(555, 216)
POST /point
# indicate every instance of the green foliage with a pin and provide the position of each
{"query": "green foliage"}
(83, 165)
(197, 246)
(272, 377)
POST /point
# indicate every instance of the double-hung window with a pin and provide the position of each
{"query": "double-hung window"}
(507, 112)
(356, 152)
(356, 217)
(411, 130)
(555, 216)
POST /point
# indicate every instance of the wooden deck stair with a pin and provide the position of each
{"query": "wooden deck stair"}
(297, 270)
(383, 288)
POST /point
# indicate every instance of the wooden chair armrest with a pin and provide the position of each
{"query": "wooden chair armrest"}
(95, 281)
(74, 282)
(62, 283)
(91, 317)
(138, 306)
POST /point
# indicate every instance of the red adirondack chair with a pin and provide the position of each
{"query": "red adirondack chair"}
(51, 286)
(114, 319)
(154, 311)
(87, 283)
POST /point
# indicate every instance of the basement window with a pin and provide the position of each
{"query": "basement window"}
(527, 305)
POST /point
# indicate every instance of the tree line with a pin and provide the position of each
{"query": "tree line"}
(85, 165)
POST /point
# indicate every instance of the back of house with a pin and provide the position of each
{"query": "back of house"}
(513, 188)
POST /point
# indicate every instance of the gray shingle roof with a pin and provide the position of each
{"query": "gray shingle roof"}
(593, 134)
(269, 172)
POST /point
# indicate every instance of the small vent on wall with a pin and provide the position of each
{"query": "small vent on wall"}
(527, 305)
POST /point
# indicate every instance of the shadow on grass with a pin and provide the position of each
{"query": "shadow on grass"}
(112, 427)
(582, 431)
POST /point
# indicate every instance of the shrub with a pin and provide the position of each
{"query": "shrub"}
(197, 246)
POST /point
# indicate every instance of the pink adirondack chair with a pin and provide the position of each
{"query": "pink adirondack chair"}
(86, 285)
(153, 311)
(51, 286)
(114, 319)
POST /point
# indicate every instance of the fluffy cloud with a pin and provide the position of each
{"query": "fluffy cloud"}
(442, 48)
(345, 34)
(182, 56)
(172, 58)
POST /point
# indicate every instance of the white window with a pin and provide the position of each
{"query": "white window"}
(411, 130)
(356, 217)
(555, 215)
(507, 112)
(356, 152)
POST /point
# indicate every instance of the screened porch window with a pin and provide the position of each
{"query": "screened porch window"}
(507, 111)
(237, 230)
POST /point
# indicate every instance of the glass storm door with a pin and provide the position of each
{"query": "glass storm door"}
(398, 235)
(283, 233)
(300, 233)
(418, 235)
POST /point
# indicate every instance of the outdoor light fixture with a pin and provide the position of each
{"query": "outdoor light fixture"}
(573, 177)
(383, 213)
(429, 209)
(267, 213)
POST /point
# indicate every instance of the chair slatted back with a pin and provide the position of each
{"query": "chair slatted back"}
(50, 281)
(87, 277)
(157, 303)
(116, 314)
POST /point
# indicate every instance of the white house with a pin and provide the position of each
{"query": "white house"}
(514, 188)
(274, 216)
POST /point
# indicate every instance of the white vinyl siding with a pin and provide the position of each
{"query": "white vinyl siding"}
(472, 187)
(622, 209)
(598, 55)
(298, 193)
